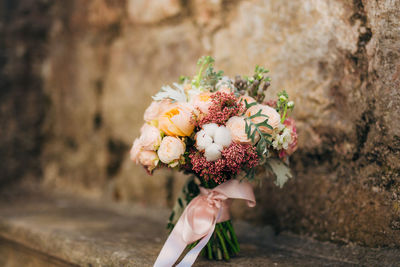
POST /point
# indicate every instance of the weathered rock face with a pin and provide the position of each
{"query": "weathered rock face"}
(337, 59)
(23, 31)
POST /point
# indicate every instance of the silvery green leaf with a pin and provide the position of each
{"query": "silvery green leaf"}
(281, 170)
(175, 94)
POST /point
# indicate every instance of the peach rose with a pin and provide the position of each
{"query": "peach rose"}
(176, 121)
(248, 99)
(135, 151)
(273, 116)
(150, 137)
(171, 149)
(155, 109)
(237, 126)
(202, 101)
(149, 159)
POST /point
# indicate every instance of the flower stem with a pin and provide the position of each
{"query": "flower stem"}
(209, 251)
(233, 234)
(284, 113)
(222, 242)
(228, 240)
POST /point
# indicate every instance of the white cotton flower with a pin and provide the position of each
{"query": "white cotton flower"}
(223, 136)
(213, 152)
(210, 129)
(203, 140)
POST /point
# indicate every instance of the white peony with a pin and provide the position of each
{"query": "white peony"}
(223, 136)
(213, 152)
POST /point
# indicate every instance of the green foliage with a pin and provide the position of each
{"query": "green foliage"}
(283, 104)
(252, 129)
(183, 78)
(210, 78)
(258, 84)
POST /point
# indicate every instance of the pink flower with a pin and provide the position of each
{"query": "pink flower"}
(135, 151)
(290, 124)
(237, 126)
(171, 149)
(149, 159)
(155, 109)
(202, 101)
(176, 121)
(150, 137)
(273, 117)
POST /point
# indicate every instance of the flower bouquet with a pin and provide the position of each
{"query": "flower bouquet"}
(222, 132)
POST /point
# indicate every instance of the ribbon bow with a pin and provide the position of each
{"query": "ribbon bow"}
(198, 221)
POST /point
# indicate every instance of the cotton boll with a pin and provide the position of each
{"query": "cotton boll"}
(210, 129)
(203, 140)
(223, 136)
(213, 152)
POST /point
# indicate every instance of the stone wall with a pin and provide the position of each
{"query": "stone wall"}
(23, 34)
(337, 59)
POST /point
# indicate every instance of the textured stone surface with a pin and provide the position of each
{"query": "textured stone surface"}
(150, 11)
(337, 59)
(24, 29)
(60, 230)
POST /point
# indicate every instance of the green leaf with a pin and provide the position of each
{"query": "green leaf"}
(281, 170)
(249, 105)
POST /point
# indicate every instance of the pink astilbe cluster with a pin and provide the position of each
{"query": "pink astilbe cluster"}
(234, 158)
(271, 103)
(224, 106)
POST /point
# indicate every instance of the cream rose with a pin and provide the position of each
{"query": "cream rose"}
(171, 149)
(135, 150)
(273, 116)
(149, 159)
(150, 137)
(237, 127)
(177, 121)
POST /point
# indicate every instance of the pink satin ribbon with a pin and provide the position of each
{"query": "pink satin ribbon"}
(198, 221)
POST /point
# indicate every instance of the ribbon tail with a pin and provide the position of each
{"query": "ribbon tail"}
(192, 255)
(172, 249)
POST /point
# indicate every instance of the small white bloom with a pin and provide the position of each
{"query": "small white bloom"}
(210, 129)
(203, 140)
(213, 152)
(223, 136)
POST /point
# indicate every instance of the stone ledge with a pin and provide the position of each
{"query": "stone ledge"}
(69, 231)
